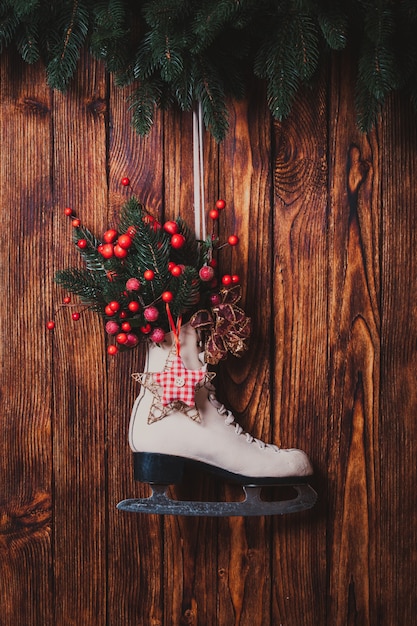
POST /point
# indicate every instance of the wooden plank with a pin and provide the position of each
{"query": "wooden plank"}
(243, 384)
(80, 386)
(397, 510)
(190, 571)
(299, 347)
(354, 349)
(25, 347)
(135, 542)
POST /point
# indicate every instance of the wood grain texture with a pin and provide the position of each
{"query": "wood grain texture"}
(79, 364)
(135, 545)
(354, 349)
(26, 351)
(190, 543)
(245, 184)
(397, 510)
(299, 354)
(327, 224)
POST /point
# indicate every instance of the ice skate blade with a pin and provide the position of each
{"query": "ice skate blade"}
(160, 503)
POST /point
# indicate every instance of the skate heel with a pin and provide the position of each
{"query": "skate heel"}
(162, 469)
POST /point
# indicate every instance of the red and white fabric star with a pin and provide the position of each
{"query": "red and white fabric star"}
(179, 383)
(174, 389)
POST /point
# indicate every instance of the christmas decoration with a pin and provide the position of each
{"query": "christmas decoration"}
(163, 291)
(142, 275)
(177, 52)
(178, 425)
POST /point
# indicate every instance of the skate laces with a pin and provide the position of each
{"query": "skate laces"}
(230, 421)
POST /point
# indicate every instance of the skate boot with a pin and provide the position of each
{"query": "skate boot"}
(177, 423)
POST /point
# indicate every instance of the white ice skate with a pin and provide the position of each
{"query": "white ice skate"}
(171, 433)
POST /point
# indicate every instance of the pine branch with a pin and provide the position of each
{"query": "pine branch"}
(8, 27)
(143, 102)
(66, 52)
(186, 291)
(27, 42)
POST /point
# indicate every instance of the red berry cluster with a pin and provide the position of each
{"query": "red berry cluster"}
(122, 317)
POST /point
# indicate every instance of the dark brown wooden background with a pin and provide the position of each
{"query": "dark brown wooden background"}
(328, 224)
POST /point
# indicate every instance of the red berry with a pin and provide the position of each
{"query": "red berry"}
(112, 350)
(108, 310)
(114, 305)
(126, 326)
(110, 235)
(119, 252)
(112, 327)
(149, 274)
(235, 279)
(151, 314)
(106, 250)
(227, 279)
(75, 316)
(213, 263)
(121, 338)
(176, 270)
(177, 241)
(233, 240)
(133, 306)
(123, 315)
(206, 273)
(50, 325)
(125, 181)
(124, 241)
(215, 299)
(66, 300)
(82, 243)
(167, 296)
(171, 227)
(68, 211)
(76, 223)
(132, 284)
(220, 204)
(158, 335)
(132, 340)
(146, 329)
(214, 214)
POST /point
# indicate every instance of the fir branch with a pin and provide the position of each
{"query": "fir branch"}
(83, 283)
(186, 291)
(66, 52)
(8, 27)
(90, 255)
(334, 29)
(143, 102)
(27, 43)
(209, 90)
(181, 50)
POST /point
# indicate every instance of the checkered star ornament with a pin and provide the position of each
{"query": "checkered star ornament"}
(178, 383)
(174, 389)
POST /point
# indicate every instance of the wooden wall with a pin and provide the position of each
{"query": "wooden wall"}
(328, 225)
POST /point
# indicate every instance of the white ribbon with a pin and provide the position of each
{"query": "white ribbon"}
(198, 172)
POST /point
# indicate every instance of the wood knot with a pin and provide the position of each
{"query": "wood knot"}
(97, 107)
(33, 106)
(358, 169)
(20, 521)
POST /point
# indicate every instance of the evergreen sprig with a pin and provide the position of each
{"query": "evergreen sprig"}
(175, 52)
(109, 277)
